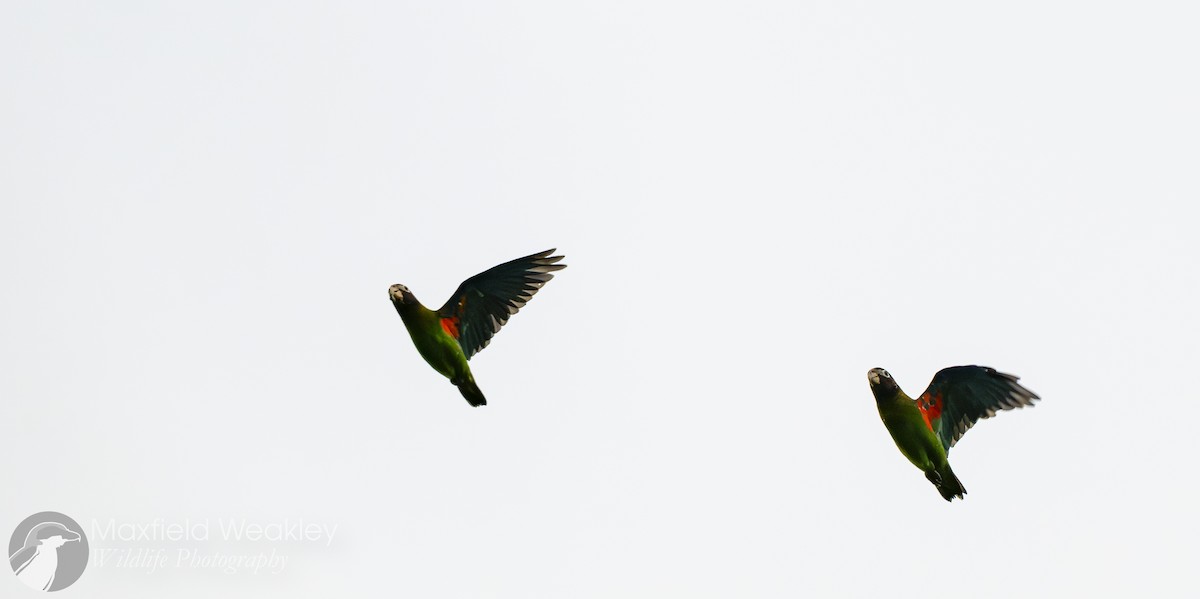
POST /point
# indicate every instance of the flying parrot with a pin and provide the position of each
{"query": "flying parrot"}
(461, 328)
(926, 429)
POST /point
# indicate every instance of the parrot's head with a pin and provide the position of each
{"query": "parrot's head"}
(882, 384)
(400, 295)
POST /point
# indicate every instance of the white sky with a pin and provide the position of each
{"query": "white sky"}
(204, 204)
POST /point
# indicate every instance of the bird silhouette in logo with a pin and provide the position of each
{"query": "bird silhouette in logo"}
(36, 562)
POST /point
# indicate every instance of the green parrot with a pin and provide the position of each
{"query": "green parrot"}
(466, 323)
(927, 428)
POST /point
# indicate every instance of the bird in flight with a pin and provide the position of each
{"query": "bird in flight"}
(926, 428)
(465, 324)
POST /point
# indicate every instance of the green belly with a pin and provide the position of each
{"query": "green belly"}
(913, 437)
(444, 354)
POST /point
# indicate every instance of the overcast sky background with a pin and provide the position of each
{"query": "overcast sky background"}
(205, 203)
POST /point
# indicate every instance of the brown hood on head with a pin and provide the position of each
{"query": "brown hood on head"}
(882, 384)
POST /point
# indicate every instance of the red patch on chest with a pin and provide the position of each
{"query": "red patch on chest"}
(450, 325)
(931, 408)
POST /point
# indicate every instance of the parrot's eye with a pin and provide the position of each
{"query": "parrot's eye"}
(886, 375)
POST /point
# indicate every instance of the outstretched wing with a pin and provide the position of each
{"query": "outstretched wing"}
(483, 303)
(961, 395)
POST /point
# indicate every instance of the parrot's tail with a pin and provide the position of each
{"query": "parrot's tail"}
(947, 484)
(471, 392)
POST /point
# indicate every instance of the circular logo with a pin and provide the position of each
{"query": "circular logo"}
(48, 551)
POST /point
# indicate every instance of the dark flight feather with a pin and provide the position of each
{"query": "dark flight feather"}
(961, 395)
(484, 302)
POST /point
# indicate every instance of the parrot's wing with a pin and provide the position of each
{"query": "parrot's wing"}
(483, 303)
(961, 395)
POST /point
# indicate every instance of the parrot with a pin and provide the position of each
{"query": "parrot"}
(465, 324)
(926, 429)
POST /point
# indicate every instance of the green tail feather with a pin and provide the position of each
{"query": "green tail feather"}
(471, 392)
(946, 482)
